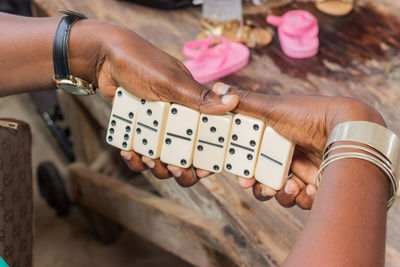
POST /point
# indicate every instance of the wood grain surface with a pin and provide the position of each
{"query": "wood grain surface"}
(358, 57)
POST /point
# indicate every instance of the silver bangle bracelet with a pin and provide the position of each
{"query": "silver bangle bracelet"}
(371, 134)
(345, 155)
(372, 152)
(358, 155)
(384, 151)
(389, 166)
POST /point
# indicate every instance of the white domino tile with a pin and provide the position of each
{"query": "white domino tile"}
(180, 135)
(150, 126)
(122, 120)
(211, 142)
(243, 145)
(274, 159)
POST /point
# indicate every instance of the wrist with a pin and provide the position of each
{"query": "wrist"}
(86, 49)
(369, 141)
(350, 109)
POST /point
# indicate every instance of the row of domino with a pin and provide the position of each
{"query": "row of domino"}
(181, 136)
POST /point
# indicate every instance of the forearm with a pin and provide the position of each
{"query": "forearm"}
(348, 221)
(26, 52)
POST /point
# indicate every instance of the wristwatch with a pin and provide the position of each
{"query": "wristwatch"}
(62, 74)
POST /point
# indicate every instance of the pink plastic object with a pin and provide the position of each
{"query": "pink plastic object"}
(298, 33)
(209, 63)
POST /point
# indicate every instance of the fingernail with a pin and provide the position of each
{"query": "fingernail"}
(126, 155)
(221, 88)
(202, 173)
(310, 191)
(288, 190)
(149, 162)
(267, 192)
(176, 172)
(264, 192)
(245, 182)
(228, 99)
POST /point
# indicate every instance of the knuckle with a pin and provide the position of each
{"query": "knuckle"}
(178, 76)
(160, 174)
(204, 94)
(189, 91)
(304, 206)
(257, 189)
(285, 200)
(260, 197)
(188, 178)
(177, 71)
(203, 97)
(304, 203)
(160, 170)
(184, 182)
(245, 96)
(134, 166)
(182, 67)
(286, 204)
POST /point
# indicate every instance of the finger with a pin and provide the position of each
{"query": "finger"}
(199, 97)
(157, 168)
(202, 173)
(224, 89)
(304, 169)
(246, 182)
(133, 160)
(305, 199)
(257, 105)
(263, 192)
(250, 103)
(149, 162)
(184, 177)
(287, 196)
(296, 179)
(283, 113)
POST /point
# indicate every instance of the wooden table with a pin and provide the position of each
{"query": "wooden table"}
(215, 222)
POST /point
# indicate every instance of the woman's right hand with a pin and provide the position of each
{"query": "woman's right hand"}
(115, 56)
(305, 120)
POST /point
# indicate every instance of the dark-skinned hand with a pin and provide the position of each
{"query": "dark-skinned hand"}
(305, 120)
(131, 62)
(110, 56)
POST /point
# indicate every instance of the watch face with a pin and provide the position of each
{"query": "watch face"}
(73, 89)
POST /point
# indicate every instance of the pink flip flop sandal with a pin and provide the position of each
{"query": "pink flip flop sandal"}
(209, 63)
(298, 33)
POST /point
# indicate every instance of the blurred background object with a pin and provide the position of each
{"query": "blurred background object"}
(19, 7)
(225, 18)
(166, 4)
(222, 10)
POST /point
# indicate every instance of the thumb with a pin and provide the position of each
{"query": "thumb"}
(196, 96)
(290, 116)
(253, 104)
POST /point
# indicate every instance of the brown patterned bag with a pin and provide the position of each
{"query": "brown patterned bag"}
(16, 198)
